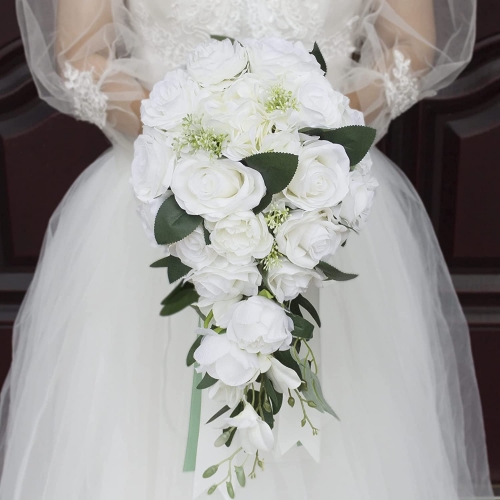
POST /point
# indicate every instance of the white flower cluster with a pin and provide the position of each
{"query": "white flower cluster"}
(246, 260)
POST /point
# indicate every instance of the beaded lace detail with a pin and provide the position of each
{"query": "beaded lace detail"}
(401, 86)
(89, 102)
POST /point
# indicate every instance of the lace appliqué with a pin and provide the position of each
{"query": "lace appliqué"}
(89, 103)
(340, 43)
(401, 86)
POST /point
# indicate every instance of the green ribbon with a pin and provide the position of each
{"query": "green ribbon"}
(194, 425)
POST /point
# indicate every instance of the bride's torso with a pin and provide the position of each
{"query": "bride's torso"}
(169, 28)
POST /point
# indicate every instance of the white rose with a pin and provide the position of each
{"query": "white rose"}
(255, 435)
(241, 236)
(223, 360)
(288, 280)
(321, 179)
(281, 142)
(306, 237)
(171, 100)
(229, 395)
(147, 214)
(222, 282)
(275, 56)
(282, 377)
(258, 325)
(216, 63)
(193, 250)
(216, 188)
(152, 166)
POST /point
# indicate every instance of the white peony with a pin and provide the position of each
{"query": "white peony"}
(275, 56)
(214, 64)
(255, 435)
(227, 394)
(258, 325)
(322, 176)
(221, 284)
(152, 166)
(241, 236)
(282, 377)
(193, 250)
(306, 237)
(223, 360)
(288, 280)
(216, 188)
(171, 100)
(147, 214)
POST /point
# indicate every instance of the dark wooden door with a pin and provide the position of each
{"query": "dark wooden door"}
(449, 147)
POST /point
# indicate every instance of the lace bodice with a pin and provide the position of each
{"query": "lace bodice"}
(167, 33)
(97, 59)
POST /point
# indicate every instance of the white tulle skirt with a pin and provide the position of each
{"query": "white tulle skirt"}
(97, 403)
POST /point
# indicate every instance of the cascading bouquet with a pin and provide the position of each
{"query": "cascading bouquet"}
(252, 171)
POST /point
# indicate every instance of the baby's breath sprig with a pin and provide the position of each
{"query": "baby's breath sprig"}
(197, 137)
(273, 258)
(281, 99)
(276, 216)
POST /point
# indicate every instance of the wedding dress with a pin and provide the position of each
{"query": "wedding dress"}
(98, 401)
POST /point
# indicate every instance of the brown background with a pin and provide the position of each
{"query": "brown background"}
(449, 146)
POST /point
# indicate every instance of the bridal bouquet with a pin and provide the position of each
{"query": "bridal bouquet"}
(252, 171)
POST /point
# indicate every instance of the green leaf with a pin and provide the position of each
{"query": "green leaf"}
(277, 169)
(210, 471)
(218, 414)
(190, 357)
(172, 224)
(206, 234)
(332, 273)
(285, 358)
(316, 52)
(231, 437)
(356, 139)
(239, 408)
(264, 203)
(206, 382)
(199, 313)
(221, 38)
(300, 300)
(176, 269)
(301, 327)
(182, 296)
(240, 475)
(268, 417)
(274, 395)
(161, 263)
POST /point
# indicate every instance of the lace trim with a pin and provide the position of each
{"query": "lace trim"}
(89, 103)
(341, 43)
(401, 86)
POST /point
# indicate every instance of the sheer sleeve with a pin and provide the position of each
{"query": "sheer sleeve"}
(407, 50)
(82, 57)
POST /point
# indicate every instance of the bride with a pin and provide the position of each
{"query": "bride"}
(97, 404)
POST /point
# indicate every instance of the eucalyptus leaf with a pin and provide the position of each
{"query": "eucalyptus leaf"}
(190, 357)
(206, 382)
(301, 327)
(300, 300)
(172, 223)
(277, 169)
(332, 273)
(218, 414)
(356, 139)
(314, 392)
(316, 52)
